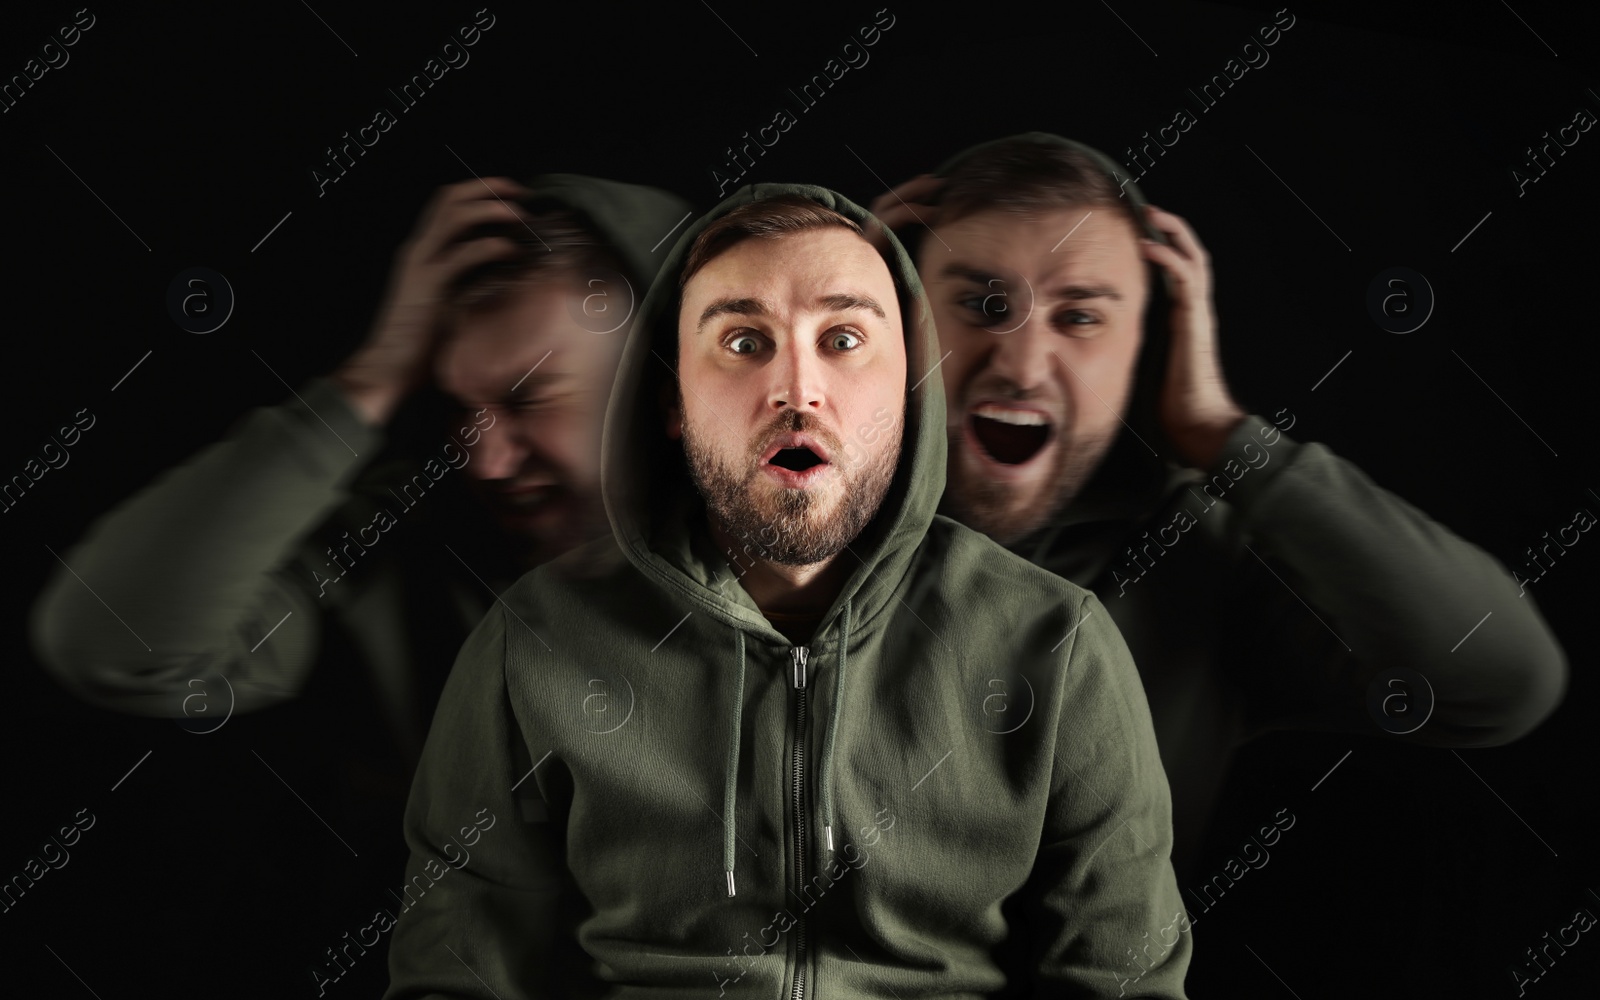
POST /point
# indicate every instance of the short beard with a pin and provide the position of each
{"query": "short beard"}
(989, 506)
(790, 528)
(533, 549)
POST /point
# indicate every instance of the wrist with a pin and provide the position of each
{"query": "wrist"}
(1199, 445)
(373, 397)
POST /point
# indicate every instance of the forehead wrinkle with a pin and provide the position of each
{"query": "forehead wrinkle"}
(1077, 292)
(797, 287)
(532, 384)
(496, 386)
(852, 300)
(967, 272)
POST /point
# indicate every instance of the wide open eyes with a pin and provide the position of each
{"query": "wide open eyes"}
(839, 339)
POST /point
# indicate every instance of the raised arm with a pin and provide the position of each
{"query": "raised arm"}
(1395, 587)
(185, 580)
(1387, 587)
(204, 575)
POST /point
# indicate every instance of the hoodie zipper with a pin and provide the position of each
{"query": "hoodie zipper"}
(797, 656)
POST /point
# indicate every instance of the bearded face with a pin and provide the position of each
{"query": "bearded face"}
(789, 496)
(787, 347)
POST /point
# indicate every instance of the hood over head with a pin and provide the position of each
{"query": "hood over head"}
(658, 518)
(632, 221)
(648, 492)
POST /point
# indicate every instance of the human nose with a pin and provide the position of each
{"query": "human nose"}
(499, 453)
(797, 377)
(1023, 354)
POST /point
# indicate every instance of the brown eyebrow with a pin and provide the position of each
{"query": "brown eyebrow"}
(735, 307)
(968, 272)
(760, 307)
(1069, 292)
(531, 385)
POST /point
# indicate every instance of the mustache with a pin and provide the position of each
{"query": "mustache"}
(1003, 388)
(796, 422)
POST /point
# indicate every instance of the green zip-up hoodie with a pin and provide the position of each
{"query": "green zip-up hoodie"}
(952, 790)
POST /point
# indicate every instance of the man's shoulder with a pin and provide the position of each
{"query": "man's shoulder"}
(971, 565)
(595, 571)
(992, 606)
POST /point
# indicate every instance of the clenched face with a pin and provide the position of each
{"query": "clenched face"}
(1042, 329)
(787, 349)
(545, 378)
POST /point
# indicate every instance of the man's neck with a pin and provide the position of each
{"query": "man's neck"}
(780, 588)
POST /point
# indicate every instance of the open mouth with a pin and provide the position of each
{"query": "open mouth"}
(795, 459)
(527, 501)
(1010, 437)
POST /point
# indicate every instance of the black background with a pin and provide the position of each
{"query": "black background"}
(1408, 872)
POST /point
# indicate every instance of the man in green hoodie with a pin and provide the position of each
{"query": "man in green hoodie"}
(1261, 583)
(788, 730)
(324, 548)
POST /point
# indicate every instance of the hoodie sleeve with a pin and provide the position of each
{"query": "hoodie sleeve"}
(1344, 583)
(187, 579)
(485, 878)
(1103, 902)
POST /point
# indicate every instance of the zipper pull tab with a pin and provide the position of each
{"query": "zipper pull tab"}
(798, 654)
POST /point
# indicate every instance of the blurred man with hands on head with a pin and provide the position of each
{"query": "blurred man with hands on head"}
(1092, 449)
(535, 303)
(322, 546)
(784, 634)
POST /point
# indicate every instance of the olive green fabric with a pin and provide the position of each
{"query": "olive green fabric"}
(974, 741)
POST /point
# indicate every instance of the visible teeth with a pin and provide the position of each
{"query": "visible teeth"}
(1021, 418)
